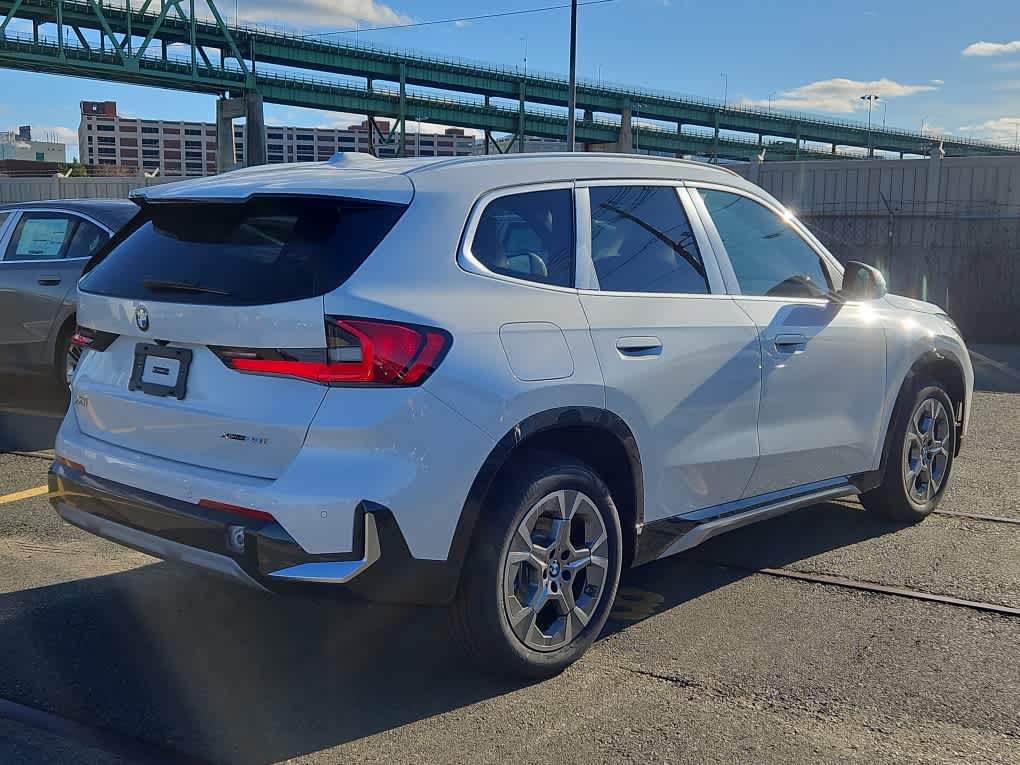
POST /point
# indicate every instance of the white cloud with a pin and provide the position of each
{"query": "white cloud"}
(462, 24)
(1002, 129)
(983, 48)
(337, 14)
(938, 82)
(838, 95)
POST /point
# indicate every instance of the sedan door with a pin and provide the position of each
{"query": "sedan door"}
(35, 277)
(680, 359)
(824, 366)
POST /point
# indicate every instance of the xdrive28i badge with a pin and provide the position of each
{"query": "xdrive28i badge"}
(142, 318)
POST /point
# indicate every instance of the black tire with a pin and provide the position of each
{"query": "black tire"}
(479, 615)
(893, 499)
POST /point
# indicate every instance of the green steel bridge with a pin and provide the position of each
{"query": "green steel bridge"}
(89, 38)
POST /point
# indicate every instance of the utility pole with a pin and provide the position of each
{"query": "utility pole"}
(572, 104)
(726, 88)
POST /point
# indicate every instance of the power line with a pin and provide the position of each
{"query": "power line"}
(481, 17)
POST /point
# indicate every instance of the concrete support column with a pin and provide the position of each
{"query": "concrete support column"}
(402, 115)
(226, 110)
(488, 133)
(249, 106)
(520, 121)
(625, 143)
(255, 133)
(833, 148)
(715, 138)
(796, 151)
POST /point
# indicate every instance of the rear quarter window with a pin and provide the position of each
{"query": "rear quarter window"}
(267, 250)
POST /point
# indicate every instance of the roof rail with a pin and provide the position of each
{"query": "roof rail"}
(588, 156)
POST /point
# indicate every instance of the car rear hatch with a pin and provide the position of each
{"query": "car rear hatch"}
(211, 277)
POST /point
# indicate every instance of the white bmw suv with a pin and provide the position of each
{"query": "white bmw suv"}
(496, 381)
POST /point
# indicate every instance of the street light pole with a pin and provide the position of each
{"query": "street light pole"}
(572, 105)
(871, 98)
(726, 88)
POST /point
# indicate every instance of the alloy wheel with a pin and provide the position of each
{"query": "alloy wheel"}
(926, 452)
(555, 570)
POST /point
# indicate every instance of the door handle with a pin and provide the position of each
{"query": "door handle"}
(639, 347)
(789, 343)
(49, 280)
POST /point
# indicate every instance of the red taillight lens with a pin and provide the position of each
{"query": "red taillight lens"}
(237, 510)
(358, 352)
(84, 337)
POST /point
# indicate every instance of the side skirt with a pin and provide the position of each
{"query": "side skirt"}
(668, 536)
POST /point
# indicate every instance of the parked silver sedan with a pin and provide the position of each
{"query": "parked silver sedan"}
(43, 248)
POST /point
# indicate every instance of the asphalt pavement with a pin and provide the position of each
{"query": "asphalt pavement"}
(110, 656)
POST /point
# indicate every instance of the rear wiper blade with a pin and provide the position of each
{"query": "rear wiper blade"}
(157, 285)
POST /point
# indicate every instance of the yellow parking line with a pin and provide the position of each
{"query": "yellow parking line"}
(38, 491)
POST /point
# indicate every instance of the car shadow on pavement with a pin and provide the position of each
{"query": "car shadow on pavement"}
(31, 410)
(229, 674)
(776, 543)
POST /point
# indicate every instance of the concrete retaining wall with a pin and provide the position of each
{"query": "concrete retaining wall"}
(944, 230)
(37, 189)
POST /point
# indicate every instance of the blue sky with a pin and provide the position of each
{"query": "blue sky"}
(938, 63)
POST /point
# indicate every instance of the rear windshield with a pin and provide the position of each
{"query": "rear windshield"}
(267, 250)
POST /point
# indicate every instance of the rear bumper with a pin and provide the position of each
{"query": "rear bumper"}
(257, 553)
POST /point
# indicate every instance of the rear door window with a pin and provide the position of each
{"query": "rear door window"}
(528, 236)
(88, 237)
(268, 250)
(40, 236)
(641, 241)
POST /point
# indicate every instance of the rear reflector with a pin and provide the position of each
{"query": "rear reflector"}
(245, 511)
(358, 352)
(75, 466)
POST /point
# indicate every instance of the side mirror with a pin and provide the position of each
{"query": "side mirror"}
(862, 282)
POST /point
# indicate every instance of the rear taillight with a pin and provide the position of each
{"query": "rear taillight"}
(84, 337)
(357, 352)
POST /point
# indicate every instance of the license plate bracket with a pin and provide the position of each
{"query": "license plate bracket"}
(160, 370)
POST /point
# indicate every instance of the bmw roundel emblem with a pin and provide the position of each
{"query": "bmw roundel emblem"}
(142, 318)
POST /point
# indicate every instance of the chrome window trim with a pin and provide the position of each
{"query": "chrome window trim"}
(6, 227)
(713, 275)
(469, 263)
(831, 262)
(10, 225)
